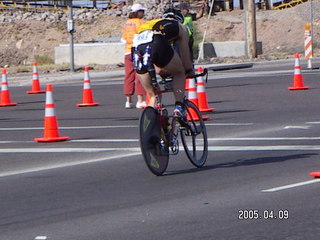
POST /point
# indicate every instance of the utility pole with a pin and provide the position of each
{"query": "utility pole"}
(70, 27)
(250, 28)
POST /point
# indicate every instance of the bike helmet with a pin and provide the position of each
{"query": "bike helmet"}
(173, 13)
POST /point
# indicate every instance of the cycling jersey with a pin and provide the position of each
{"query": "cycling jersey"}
(168, 27)
(152, 44)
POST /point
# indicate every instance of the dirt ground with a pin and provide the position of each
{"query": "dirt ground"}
(280, 31)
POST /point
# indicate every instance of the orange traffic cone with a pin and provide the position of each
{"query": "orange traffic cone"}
(297, 77)
(87, 96)
(315, 174)
(186, 86)
(192, 97)
(192, 92)
(147, 99)
(51, 132)
(202, 95)
(35, 81)
(5, 93)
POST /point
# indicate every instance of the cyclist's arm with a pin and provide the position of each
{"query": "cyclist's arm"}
(184, 49)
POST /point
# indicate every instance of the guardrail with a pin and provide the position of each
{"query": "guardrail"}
(289, 4)
(38, 6)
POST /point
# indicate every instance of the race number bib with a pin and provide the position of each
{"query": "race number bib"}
(143, 37)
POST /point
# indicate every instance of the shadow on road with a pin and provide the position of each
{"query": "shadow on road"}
(244, 162)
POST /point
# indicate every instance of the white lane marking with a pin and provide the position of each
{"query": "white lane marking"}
(115, 126)
(297, 127)
(69, 164)
(84, 127)
(6, 142)
(209, 139)
(64, 150)
(252, 74)
(312, 122)
(41, 238)
(137, 149)
(291, 186)
(267, 148)
(105, 140)
(263, 138)
(229, 124)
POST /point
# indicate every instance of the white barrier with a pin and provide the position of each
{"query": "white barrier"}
(91, 53)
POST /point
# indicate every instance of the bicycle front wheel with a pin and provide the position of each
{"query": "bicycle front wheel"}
(194, 136)
(153, 144)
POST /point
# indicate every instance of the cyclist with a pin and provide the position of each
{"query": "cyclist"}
(153, 45)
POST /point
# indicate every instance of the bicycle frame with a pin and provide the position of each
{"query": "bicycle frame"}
(164, 119)
(159, 133)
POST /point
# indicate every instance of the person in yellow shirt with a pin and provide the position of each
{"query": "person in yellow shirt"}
(131, 81)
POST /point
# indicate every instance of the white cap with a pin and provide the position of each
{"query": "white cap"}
(136, 7)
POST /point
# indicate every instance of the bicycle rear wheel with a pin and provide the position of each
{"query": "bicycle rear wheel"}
(153, 144)
(194, 136)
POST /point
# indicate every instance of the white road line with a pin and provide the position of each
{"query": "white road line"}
(65, 150)
(83, 127)
(285, 187)
(115, 126)
(6, 142)
(115, 140)
(105, 140)
(312, 122)
(297, 127)
(263, 138)
(229, 124)
(137, 149)
(211, 139)
(41, 238)
(70, 164)
(267, 148)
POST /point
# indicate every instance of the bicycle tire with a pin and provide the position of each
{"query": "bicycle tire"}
(155, 151)
(194, 136)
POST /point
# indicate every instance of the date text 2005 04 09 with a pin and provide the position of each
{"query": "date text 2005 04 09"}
(251, 214)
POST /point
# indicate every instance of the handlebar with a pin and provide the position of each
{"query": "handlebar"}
(204, 73)
(165, 78)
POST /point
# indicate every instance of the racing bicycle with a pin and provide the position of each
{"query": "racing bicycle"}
(159, 131)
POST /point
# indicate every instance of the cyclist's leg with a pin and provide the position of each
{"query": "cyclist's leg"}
(176, 69)
(179, 65)
(145, 80)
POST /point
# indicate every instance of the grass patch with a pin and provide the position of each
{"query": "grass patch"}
(41, 68)
(43, 59)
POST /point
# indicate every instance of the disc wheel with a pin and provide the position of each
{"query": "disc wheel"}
(153, 145)
(194, 136)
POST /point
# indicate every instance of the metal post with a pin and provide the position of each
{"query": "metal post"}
(71, 31)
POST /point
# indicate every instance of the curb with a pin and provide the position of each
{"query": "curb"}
(68, 77)
(230, 66)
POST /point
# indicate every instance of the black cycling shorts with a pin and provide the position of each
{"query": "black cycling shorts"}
(158, 52)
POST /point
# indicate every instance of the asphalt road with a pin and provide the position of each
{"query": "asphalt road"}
(263, 139)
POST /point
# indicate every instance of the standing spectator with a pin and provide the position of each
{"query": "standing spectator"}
(189, 17)
(131, 82)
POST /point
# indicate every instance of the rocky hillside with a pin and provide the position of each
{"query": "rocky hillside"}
(26, 36)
